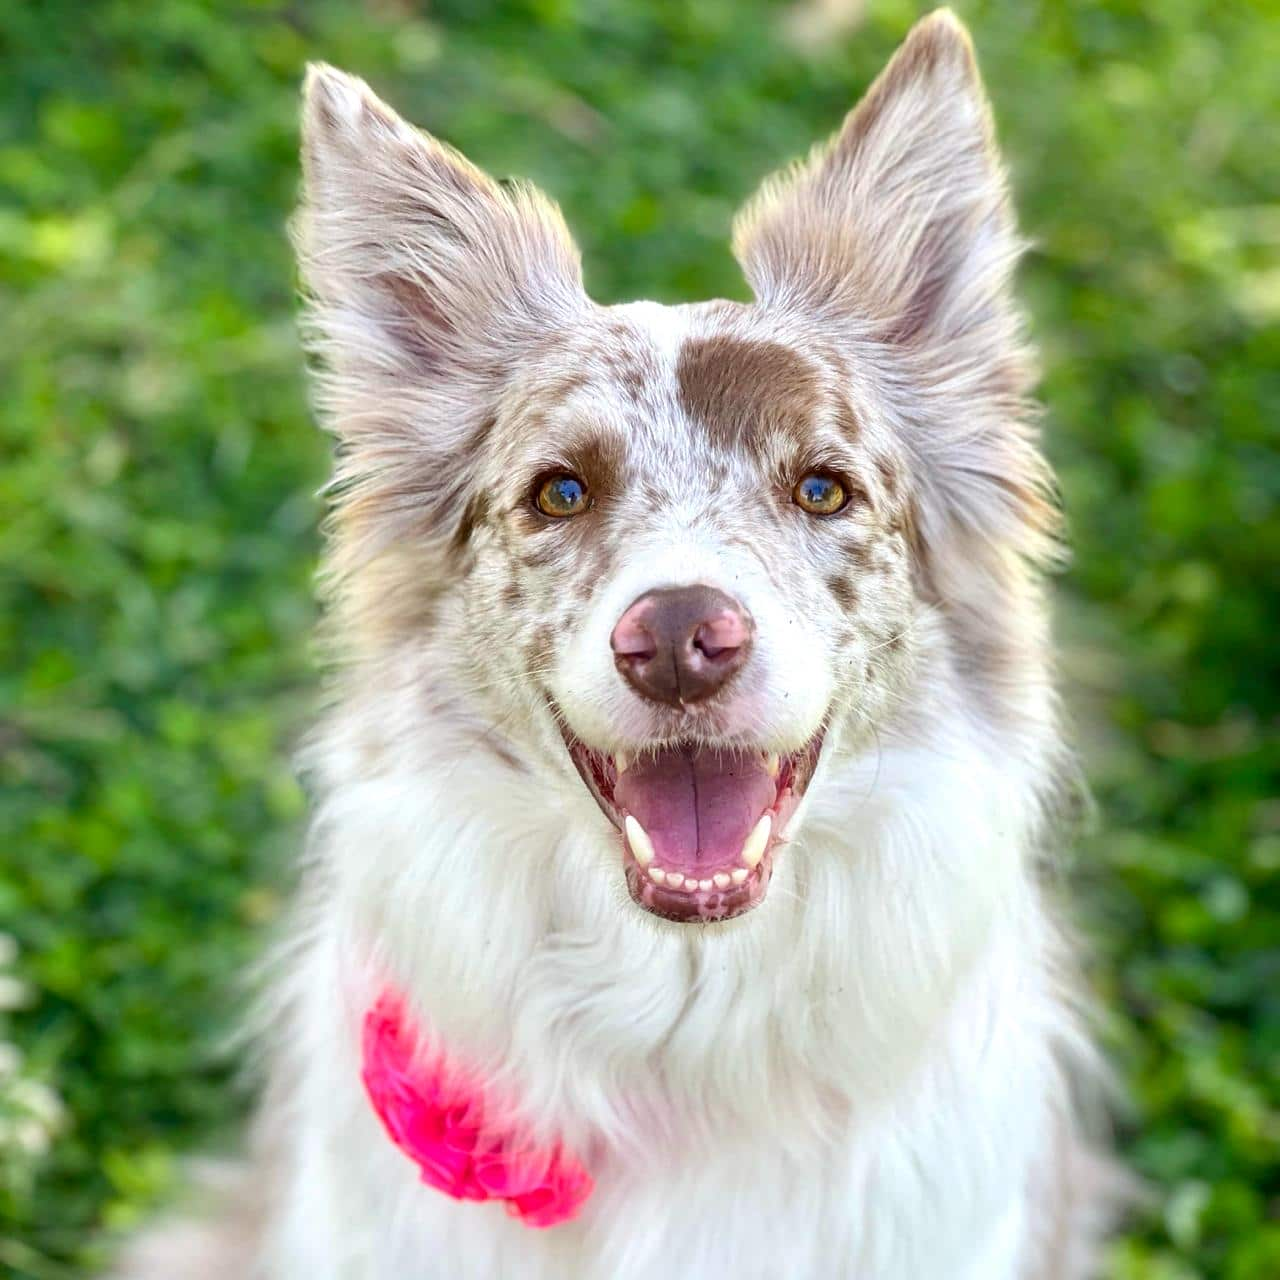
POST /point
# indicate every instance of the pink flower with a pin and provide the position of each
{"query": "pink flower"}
(435, 1113)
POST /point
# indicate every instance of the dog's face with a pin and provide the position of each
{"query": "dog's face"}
(695, 545)
(675, 555)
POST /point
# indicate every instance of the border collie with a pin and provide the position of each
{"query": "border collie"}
(674, 906)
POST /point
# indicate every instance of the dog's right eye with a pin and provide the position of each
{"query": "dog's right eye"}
(562, 495)
(819, 494)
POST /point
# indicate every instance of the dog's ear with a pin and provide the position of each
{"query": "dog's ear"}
(426, 281)
(899, 235)
(897, 238)
(901, 222)
(418, 266)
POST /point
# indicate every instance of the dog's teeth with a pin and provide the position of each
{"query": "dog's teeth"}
(753, 849)
(721, 880)
(638, 839)
(620, 762)
(657, 875)
(772, 763)
(675, 879)
(739, 875)
(704, 885)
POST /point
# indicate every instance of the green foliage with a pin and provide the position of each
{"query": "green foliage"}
(157, 540)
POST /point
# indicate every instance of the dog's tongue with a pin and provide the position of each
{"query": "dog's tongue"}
(698, 807)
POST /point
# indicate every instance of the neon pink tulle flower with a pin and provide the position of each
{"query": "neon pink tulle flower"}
(435, 1114)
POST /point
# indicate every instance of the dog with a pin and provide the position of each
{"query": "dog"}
(674, 904)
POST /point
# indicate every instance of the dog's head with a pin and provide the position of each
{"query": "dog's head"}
(680, 555)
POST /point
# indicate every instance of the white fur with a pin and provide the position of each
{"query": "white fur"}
(854, 1080)
(866, 1076)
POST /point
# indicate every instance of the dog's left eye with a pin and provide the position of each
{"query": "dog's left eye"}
(562, 495)
(819, 494)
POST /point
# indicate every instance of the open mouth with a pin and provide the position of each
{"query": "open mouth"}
(700, 825)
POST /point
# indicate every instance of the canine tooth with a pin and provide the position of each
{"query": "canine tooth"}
(675, 879)
(772, 763)
(753, 849)
(657, 875)
(620, 762)
(721, 880)
(704, 884)
(638, 839)
(738, 875)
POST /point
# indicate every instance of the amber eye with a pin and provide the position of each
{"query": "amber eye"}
(820, 495)
(562, 495)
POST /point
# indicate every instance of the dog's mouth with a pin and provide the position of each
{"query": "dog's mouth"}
(700, 825)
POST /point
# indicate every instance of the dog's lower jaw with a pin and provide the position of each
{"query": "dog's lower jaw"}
(711, 857)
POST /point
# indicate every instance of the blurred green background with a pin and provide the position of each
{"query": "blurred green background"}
(157, 517)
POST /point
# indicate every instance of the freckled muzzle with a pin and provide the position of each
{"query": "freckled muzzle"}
(699, 825)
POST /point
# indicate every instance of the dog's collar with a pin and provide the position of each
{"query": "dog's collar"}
(435, 1112)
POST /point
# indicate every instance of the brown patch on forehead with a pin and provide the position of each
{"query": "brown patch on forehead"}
(740, 390)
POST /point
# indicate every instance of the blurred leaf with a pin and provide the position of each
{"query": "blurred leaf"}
(157, 466)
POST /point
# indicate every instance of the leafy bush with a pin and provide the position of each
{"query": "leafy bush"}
(157, 541)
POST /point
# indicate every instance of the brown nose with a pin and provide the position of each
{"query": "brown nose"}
(678, 645)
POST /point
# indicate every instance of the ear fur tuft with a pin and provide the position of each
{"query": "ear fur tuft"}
(427, 283)
(901, 222)
(416, 260)
(897, 240)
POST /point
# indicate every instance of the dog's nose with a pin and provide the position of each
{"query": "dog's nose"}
(678, 645)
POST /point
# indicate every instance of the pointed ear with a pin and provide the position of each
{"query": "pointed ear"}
(898, 238)
(900, 223)
(426, 284)
(418, 264)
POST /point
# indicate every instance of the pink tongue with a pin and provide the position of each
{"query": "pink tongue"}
(697, 806)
